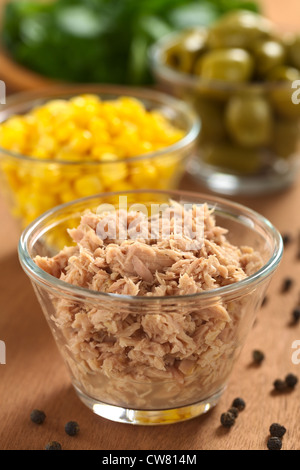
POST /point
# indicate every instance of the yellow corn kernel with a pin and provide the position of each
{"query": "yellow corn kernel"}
(145, 147)
(88, 185)
(97, 125)
(122, 186)
(67, 196)
(41, 153)
(110, 171)
(131, 107)
(64, 131)
(51, 174)
(57, 107)
(72, 172)
(143, 175)
(81, 141)
(12, 180)
(13, 134)
(99, 150)
(98, 139)
(67, 155)
(83, 108)
(87, 102)
(46, 143)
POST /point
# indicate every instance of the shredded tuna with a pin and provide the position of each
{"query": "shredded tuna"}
(151, 353)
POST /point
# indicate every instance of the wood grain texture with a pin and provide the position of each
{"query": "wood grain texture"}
(35, 376)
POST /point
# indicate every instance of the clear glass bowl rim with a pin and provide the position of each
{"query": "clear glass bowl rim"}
(68, 91)
(39, 276)
(188, 80)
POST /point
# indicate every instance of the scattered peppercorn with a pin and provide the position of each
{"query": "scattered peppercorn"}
(279, 385)
(258, 356)
(239, 403)
(291, 380)
(286, 238)
(37, 416)
(296, 315)
(53, 445)
(227, 419)
(274, 443)
(72, 428)
(234, 411)
(276, 430)
(287, 284)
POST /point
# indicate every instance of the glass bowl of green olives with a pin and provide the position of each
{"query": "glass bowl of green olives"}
(241, 76)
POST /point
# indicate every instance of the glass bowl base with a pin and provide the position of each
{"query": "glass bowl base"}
(149, 417)
(227, 184)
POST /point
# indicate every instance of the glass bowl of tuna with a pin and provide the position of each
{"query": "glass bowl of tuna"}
(151, 300)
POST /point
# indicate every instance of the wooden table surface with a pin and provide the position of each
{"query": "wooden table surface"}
(34, 375)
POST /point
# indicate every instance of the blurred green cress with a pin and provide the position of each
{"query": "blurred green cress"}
(102, 41)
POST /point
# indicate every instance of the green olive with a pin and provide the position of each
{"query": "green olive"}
(282, 99)
(233, 158)
(267, 55)
(239, 29)
(182, 54)
(212, 120)
(229, 65)
(286, 138)
(178, 58)
(293, 46)
(249, 120)
(194, 40)
(283, 73)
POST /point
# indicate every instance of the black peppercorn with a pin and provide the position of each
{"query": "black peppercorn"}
(274, 443)
(227, 419)
(276, 430)
(72, 428)
(37, 416)
(279, 385)
(258, 356)
(286, 238)
(53, 445)
(296, 315)
(291, 380)
(234, 411)
(287, 285)
(239, 403)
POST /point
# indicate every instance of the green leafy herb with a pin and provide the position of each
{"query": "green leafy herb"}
(104, 41)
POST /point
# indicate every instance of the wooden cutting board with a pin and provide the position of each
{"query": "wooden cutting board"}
(34, 375)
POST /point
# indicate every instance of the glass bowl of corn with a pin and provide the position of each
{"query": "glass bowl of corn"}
(70, 142)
